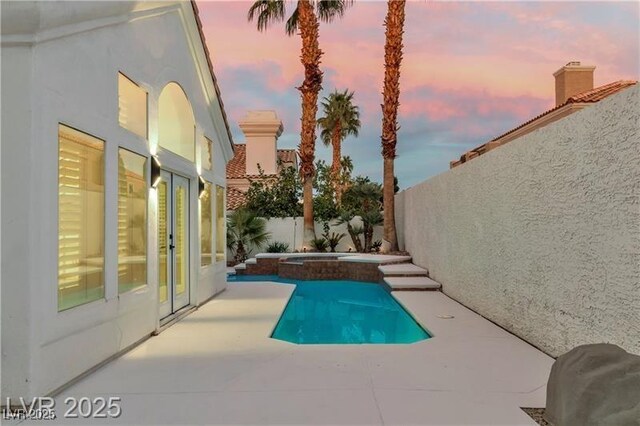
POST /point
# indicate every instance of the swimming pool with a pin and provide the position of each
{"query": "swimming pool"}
(342, 312)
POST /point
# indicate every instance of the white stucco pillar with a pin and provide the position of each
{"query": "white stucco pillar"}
(261, 130)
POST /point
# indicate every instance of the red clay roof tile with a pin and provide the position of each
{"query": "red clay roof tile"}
(591, 96)
(235, 198)
(236, 168)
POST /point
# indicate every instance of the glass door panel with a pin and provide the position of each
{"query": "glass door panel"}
(173, 243)
(181, 241)
(164, 229)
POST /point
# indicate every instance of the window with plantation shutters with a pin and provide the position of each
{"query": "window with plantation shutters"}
(163, 242)
(132, 220)
(132, 106)
(80, 218)
(221, 228)
(206, 226)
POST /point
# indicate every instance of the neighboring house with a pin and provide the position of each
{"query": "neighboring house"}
(574, 91)
(114, 151)
(261, 130)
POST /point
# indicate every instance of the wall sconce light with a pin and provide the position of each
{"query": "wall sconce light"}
(201, 186)
(304, 249)
(155, 171)
(349, 249)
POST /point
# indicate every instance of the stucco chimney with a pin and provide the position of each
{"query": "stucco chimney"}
(261, 130)
(572, 79)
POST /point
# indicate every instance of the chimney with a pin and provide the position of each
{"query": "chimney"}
(572, 79)
(261, 130)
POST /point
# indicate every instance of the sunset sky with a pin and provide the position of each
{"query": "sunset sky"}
(471, 70)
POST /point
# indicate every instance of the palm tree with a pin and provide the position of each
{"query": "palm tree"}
(245, 230)
(368, 194)
(362, 199)
(394, 22)
(305, 19)
(341, 119)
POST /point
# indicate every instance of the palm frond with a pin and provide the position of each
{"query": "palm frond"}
(246, 227)
(328, 10)
(339, 111)
(266, 12)
(291, 27)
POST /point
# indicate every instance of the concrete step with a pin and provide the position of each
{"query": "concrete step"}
(251, 261)
(240, 266)
(411, 283)
(375, 258)
(402, 269)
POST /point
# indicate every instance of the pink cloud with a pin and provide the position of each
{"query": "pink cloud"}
(476, 67)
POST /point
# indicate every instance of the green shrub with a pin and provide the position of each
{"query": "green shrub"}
(319, 244)
(245, 231)
(333, 240)
(278, 247)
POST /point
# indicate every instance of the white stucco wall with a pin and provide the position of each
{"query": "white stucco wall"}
(542, 235)
(16, 309)
(67, 72)
(290, 230)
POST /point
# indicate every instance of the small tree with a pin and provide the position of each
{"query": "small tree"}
(324, 205)
(346, 216)
(363, 199)
(370, 219)
(245, 231)
(275, 196)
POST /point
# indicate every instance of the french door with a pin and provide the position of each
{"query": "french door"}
(173, 243)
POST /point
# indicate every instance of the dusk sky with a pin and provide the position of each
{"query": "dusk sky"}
(471, 70)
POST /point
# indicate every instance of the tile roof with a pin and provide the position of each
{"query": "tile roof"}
(213, 76)
(236, 168)
(591, 96)
(235, 198)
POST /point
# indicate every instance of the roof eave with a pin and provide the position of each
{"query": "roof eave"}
(213, 76)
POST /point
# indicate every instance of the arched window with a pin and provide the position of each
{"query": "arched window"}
(176, 131)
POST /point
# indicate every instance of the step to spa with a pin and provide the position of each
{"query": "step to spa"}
(402, 269)
(411, 283)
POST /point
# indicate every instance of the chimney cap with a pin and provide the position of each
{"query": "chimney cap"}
(574, 66)
(261, 122)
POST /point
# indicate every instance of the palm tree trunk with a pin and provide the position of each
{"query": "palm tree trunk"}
(241, 254)
(309, 233)
(357, 244)
(392, 60)
(388, 195)
(310, 58)
(336, 143)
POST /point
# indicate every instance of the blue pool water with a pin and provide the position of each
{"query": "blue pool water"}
(346, 312)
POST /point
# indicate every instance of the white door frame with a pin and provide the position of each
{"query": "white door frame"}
(175, 301)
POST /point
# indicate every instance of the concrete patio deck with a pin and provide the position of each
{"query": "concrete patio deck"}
(219, 366)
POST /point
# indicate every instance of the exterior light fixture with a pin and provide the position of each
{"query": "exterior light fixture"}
(201, 186)
(155, 171)
(349, 249)
(304, 249)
